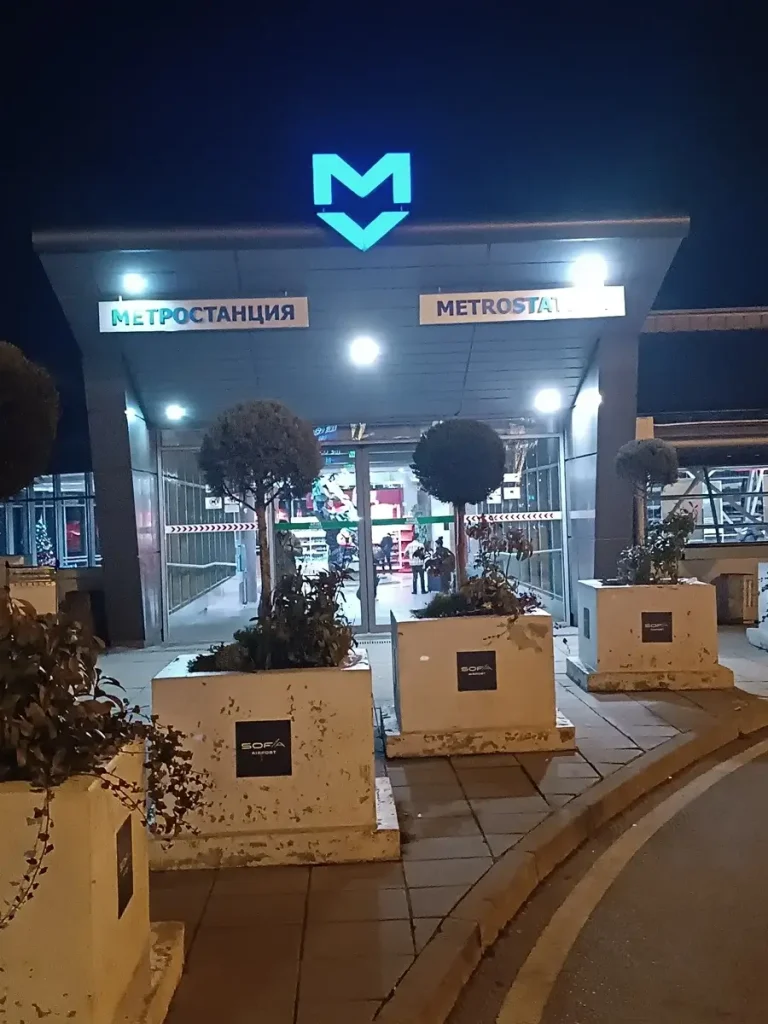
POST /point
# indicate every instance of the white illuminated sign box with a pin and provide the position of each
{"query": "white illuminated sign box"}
(145, 315)
(534, 304)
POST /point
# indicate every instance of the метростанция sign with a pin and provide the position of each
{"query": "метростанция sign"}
(202, 314)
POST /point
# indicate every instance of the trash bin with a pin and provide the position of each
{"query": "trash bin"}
(736, 599)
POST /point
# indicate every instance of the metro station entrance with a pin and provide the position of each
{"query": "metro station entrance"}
(365, 514)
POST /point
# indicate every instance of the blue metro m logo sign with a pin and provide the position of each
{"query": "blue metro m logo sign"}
(327, 166)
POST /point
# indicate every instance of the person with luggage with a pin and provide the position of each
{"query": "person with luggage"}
(416, 555)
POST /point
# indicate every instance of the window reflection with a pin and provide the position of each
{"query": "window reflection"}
(730, 503)
(52, 522)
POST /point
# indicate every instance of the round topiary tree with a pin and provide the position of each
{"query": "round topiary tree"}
(29, 413)
(460, 462)
(645, 463)
(257, 453)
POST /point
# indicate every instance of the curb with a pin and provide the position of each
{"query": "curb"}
(428, 990)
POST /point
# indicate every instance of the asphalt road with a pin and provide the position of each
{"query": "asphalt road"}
(657, 922)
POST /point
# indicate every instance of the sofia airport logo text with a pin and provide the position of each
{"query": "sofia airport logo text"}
(327, 166)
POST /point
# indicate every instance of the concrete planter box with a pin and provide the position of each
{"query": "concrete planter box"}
(291, 759)
(82, 949)
(475, 685)
(758, 635)
(659, 637)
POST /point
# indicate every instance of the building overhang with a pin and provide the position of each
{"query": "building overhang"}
(425, 372)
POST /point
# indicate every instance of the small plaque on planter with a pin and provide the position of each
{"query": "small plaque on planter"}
(585, 622)
(124, 844)
(476, 670)
(263, 748)
(656, 627)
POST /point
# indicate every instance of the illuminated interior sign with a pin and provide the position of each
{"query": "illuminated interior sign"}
(327, 166)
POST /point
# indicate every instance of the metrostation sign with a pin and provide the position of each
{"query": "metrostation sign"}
(533, 304)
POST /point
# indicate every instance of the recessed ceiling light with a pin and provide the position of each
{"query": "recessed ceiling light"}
(548, 400)
(134, 284)
(364, 351)
(589, 270)
(174, 412)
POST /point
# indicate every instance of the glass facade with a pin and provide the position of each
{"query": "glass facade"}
(532, 487)
(730, 503)
(195, 562)
(52, 522)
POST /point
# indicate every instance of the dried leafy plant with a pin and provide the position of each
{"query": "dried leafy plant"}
(58, 719)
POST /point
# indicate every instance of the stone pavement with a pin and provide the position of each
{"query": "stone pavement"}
(301, 945)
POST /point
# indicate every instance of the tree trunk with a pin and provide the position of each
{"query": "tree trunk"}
(266, 575)
(641, 516)
(461, 545)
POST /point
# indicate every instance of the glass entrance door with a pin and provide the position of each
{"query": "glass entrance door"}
(408, 527)
(323, 530)
(366, 515)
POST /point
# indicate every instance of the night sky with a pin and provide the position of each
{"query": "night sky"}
(127, 116)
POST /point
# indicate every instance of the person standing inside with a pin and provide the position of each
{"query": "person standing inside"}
(386, 545)
(417, 556)
(445, 563)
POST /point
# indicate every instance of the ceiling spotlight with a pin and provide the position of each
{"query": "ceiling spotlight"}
(134, 284)
(364, 351)
(174, 412)
(589, 270)
(548, 400)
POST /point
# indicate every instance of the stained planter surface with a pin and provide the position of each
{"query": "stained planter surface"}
(75, 949)
(648, 637)
(475, 683)
(290, 755)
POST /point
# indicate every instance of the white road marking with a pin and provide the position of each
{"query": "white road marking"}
(527, 998)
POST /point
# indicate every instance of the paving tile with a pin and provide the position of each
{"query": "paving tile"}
(357, 876)
(445, 848)
(561, 766)
(575, 786)
(448, 790)
(463, 871)
(355, 977)
(614, 755)
(468, 762)
(232, 999)
(423, 930)
(173, 898)
(606, 768)
(509, 805)
(431, 802)
(512, 824)
(436, 900)
(358, 905)
(226, 909)
(357, 938)
(507, 782)
(256, 880)
(430, 771)
(262, 948)
(431, 828)
(500, 844)
(556, 800)
(359, 1011)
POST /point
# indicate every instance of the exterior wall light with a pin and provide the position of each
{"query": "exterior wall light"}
(589, 271)
(174, 412)
(364, 351)
(548, 400)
